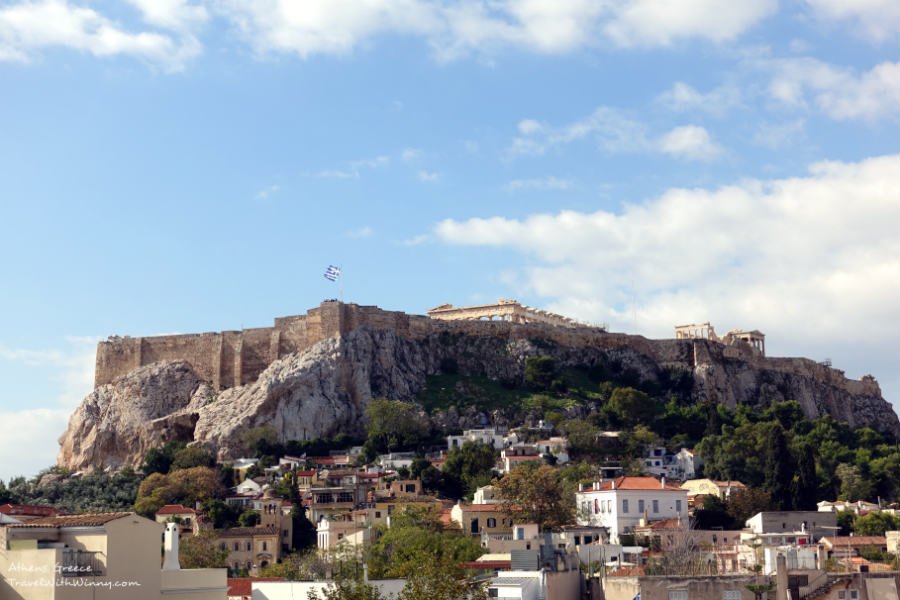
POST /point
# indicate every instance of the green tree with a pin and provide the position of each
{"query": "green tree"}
(347, 589)
(853, 485)
(540, 372)
(806, 481)
(436, 582)
(533, 493)
(202, 551)
(261, 440)
(417, 538)
(743, 504)
(633, 406)
(875, 523)
(472, 465)
(393, 424)
(249, 518)
(193, 456)
(159, 460)
(779, 469)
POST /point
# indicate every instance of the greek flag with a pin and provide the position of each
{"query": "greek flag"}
(332, 273)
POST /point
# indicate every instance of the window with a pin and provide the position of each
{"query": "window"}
(731, 595)
(678, 506)
(842, 595)
(625, 506)
(656, 506)
(678, 595)
(609, 506)
(377, 514)
(249, 546)
(854, 595)
(491, 522)
(596, 506)
(640, 506)
(493, 593)
(237, 546)
(265, 545)
(520, 533)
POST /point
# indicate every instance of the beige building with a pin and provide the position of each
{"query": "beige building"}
(103, 556)
(251, 548)
(478, 519)
(184, 516)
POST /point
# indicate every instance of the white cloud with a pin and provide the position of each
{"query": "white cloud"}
(410, 154)
(428, 176)
(29, 27)
(778, 135)
(614, 131)
(269, 190)
(176, 15)
(416, 240)
(814, 261)
(662, 22)
(28, 440)
(539, 183)
(360, 232)
(683, 98)
(690, 142)
(453, 30)
(28, 437)
(838, 92)
(877, 19)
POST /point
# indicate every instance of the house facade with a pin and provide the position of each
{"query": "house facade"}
(622, 503)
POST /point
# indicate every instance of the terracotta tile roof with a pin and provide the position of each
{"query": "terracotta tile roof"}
(306, 473)
(481, 507)
(175, 509)
(243, 586)
(82, 520)
(637, 483)
(486, 564)
(248, 531)
(855, 541)
(29, 510)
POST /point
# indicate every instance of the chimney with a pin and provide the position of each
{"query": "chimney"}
(662, 482)
(613, 482)
(580, 487)
(170, 545)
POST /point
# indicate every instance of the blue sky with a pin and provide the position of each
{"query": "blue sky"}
(173, 166)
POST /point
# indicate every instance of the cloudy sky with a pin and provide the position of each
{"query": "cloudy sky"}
(180, 166)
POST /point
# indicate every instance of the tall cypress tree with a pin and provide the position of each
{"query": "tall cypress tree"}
(807, 483)
(779, 470)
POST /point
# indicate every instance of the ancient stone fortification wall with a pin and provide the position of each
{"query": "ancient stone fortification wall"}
(231, 358)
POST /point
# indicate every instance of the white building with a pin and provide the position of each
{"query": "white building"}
(493, 438)
(620, 504)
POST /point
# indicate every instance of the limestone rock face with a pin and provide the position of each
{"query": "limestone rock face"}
(117, 423)
(324, 389)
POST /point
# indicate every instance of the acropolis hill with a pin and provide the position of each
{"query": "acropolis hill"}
(313, 375)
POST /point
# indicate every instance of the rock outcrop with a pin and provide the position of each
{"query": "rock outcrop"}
(325, 388)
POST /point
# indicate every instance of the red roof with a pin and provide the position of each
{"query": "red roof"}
(482, 507)
(175, 509)
(487, 564)
(636, 483)
(243, 586)
(29, 510)
(307, 473)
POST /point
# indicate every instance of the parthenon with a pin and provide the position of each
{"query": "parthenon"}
(503, 310)
(755, 339)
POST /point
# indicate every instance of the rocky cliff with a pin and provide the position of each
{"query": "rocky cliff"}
(324, 389)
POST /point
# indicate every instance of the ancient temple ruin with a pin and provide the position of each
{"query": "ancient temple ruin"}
(754, 340)
(503, 310)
